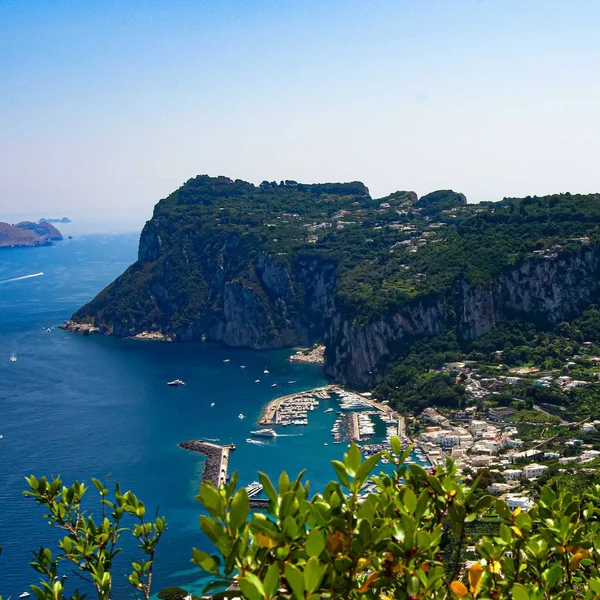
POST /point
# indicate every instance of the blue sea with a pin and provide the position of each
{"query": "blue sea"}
(82, 407)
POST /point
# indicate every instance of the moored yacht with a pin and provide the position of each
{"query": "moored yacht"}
(264, 433)
(176, 383)
(253, 489)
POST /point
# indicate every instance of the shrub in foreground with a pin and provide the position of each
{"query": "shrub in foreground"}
(338, 545)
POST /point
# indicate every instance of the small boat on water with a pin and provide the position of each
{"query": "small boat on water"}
(176, 383)
(266, 372)
(326, 444)
(241, 416)
(227, 360)
(329, 410)
(255, 442)
(25, 595)
(273, 385)
(264, 433)
(13, 358)
(293, 381)
(254, 488)
(257, 381)
(243, 367)
(212, 403)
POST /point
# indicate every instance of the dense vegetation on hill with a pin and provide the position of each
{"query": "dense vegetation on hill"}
(284, 264)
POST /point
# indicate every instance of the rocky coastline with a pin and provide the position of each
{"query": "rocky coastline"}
(312, 356)
(89, 329)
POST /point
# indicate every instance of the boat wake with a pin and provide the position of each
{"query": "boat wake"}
(3, 281)
(256, 442)
(289, 434)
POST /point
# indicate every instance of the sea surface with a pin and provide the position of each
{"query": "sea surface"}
(82, 407)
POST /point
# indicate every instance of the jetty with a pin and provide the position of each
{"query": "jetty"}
(216, 467)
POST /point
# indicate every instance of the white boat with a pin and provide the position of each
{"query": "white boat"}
(329, 410)
(241, 416)
(25, 595)
(266, 372)
(13, 358)
(253, 489)
(255, 442)
(227, 360)
(273, 385)
(176, 383)
(325, 444)
(293, 381)
(243, 367)
(212, 403)
(257, 381)
(264, 433)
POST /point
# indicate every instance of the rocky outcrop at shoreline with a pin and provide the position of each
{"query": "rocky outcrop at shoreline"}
(83, 328)
(89, 329)
(314, 356)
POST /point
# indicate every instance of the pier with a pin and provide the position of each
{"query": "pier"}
(217, 459)
(269, 413)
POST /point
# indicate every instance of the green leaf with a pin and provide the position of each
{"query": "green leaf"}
(204, 561)
(251, 586)
(396, 445)
(352, 459)
(315, 544)
(284, 483)
(312, 574)
(410, 500)
(365, 469)
(211, 500)
(268, 487)
(341, 472)
(295, 579)
(271, 581)
(519, 592)
(240, 509)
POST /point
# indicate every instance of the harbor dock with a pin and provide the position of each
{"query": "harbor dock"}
(217, 459)
(270, 411)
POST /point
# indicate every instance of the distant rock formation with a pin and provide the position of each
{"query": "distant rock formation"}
(28, 234)
(63, 220)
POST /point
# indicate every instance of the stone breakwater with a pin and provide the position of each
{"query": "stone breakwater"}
(217, 459)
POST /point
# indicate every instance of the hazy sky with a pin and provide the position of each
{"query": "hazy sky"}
(113, 104)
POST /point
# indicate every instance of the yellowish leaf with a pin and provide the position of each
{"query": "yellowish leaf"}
(475, 573)
(494, 566)
(459, 589)
(264, 541)
(517, 511)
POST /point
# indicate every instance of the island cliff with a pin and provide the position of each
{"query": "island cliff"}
(289, 264)
(28, 234)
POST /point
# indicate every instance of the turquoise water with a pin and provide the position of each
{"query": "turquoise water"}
(99, 407)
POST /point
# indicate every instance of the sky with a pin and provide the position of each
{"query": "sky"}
(108, 106)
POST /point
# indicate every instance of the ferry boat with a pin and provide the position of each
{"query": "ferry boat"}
(253, 489)
(264, 433)
(176, 383)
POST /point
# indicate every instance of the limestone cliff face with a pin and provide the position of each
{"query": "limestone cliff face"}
(544, 290)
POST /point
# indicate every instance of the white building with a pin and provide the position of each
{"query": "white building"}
(587, 428)
(522, 502)
(533, 471)
(512, 474)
